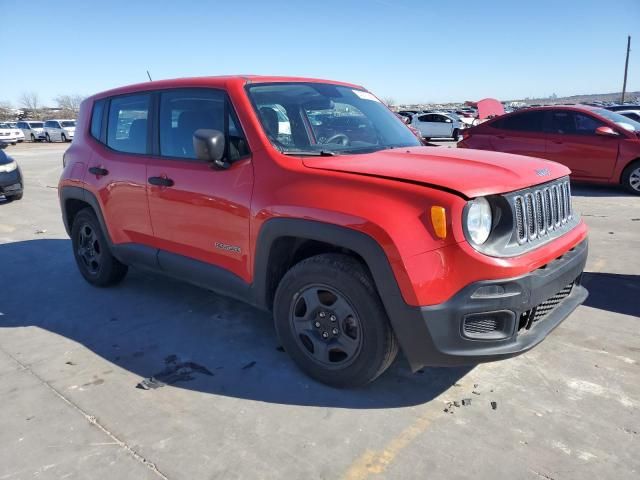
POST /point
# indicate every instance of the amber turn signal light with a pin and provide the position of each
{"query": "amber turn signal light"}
(439, 221)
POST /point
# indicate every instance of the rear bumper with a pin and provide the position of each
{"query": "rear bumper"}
(494, 319)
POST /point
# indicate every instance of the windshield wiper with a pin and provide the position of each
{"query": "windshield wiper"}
(314, 153)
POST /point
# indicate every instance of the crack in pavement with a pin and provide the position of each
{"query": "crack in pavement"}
(90, 418)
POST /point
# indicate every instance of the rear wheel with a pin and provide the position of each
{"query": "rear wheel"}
(91, 251)
(631, 178)
(330, 320)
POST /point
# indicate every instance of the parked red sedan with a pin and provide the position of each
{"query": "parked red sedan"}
(596, 144)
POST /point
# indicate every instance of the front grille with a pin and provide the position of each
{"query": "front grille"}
(540, 210)
(530, 317)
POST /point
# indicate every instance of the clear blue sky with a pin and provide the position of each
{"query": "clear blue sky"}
(410, 50)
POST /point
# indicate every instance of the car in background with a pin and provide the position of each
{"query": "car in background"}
(436, 125)
(61, 130)
(632, 114)
(33, 130)
(617, 108)
(7, 135)
(598, 145)
(16, 131)
(11, 184)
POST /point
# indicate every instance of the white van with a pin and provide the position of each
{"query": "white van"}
(59, 130)
(33, 130)
(14, 130)
(7, 135)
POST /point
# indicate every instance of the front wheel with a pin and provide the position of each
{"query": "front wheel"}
(33, 138)
(48, 138)
(631, 178)
(63, 138)
(331, 321)
(455, 135)
(91, 251)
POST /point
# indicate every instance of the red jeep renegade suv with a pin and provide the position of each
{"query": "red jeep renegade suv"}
(312, 200)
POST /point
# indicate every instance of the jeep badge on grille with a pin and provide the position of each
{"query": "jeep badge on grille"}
(543, 172)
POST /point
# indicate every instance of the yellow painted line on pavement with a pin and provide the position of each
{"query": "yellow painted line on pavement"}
(376, 462)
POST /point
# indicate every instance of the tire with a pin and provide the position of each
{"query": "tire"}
(91, 251)
(455, 135)
(17, 197)
(48, 138)
(631, 178)
(63, 138)
(359, 344)
(33, 138)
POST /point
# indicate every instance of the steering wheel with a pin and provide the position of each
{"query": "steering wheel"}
(339, 138)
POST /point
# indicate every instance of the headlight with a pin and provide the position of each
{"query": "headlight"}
(479, 220)
(8, 167)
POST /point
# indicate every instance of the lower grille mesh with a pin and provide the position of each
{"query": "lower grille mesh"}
(528, 318)
(480, 325)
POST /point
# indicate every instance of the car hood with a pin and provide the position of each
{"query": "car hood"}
(471, 173)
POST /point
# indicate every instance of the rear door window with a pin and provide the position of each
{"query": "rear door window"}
(128, 123)
(521, 122)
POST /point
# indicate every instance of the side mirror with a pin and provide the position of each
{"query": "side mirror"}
(606, 132)
(209, 146)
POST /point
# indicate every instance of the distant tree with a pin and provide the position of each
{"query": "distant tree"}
(6, 111)
(30, 101)
(389, 101)
(69, 103)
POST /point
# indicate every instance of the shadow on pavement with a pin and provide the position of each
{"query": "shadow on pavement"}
(614, 292)
(150, 324)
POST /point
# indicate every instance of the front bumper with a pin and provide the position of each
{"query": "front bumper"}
(494, 319)
(11, 183)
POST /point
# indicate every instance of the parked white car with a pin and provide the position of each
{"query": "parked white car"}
(7, 135)
(436, 125)
(632, 114)
(33, 130)
(16, 131)
(59, 130)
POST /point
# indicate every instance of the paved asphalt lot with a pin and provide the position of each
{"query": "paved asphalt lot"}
(71, 356)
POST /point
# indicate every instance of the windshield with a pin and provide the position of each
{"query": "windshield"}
(620, 120)
(4, 125)
(68, 123)
(319, 118)
(36, 124)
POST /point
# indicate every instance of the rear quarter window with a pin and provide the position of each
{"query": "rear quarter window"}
(96, 119)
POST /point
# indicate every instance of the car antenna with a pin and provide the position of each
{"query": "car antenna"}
(149, 75)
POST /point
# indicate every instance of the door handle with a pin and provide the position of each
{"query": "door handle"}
(161, 181)
(99, 171)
